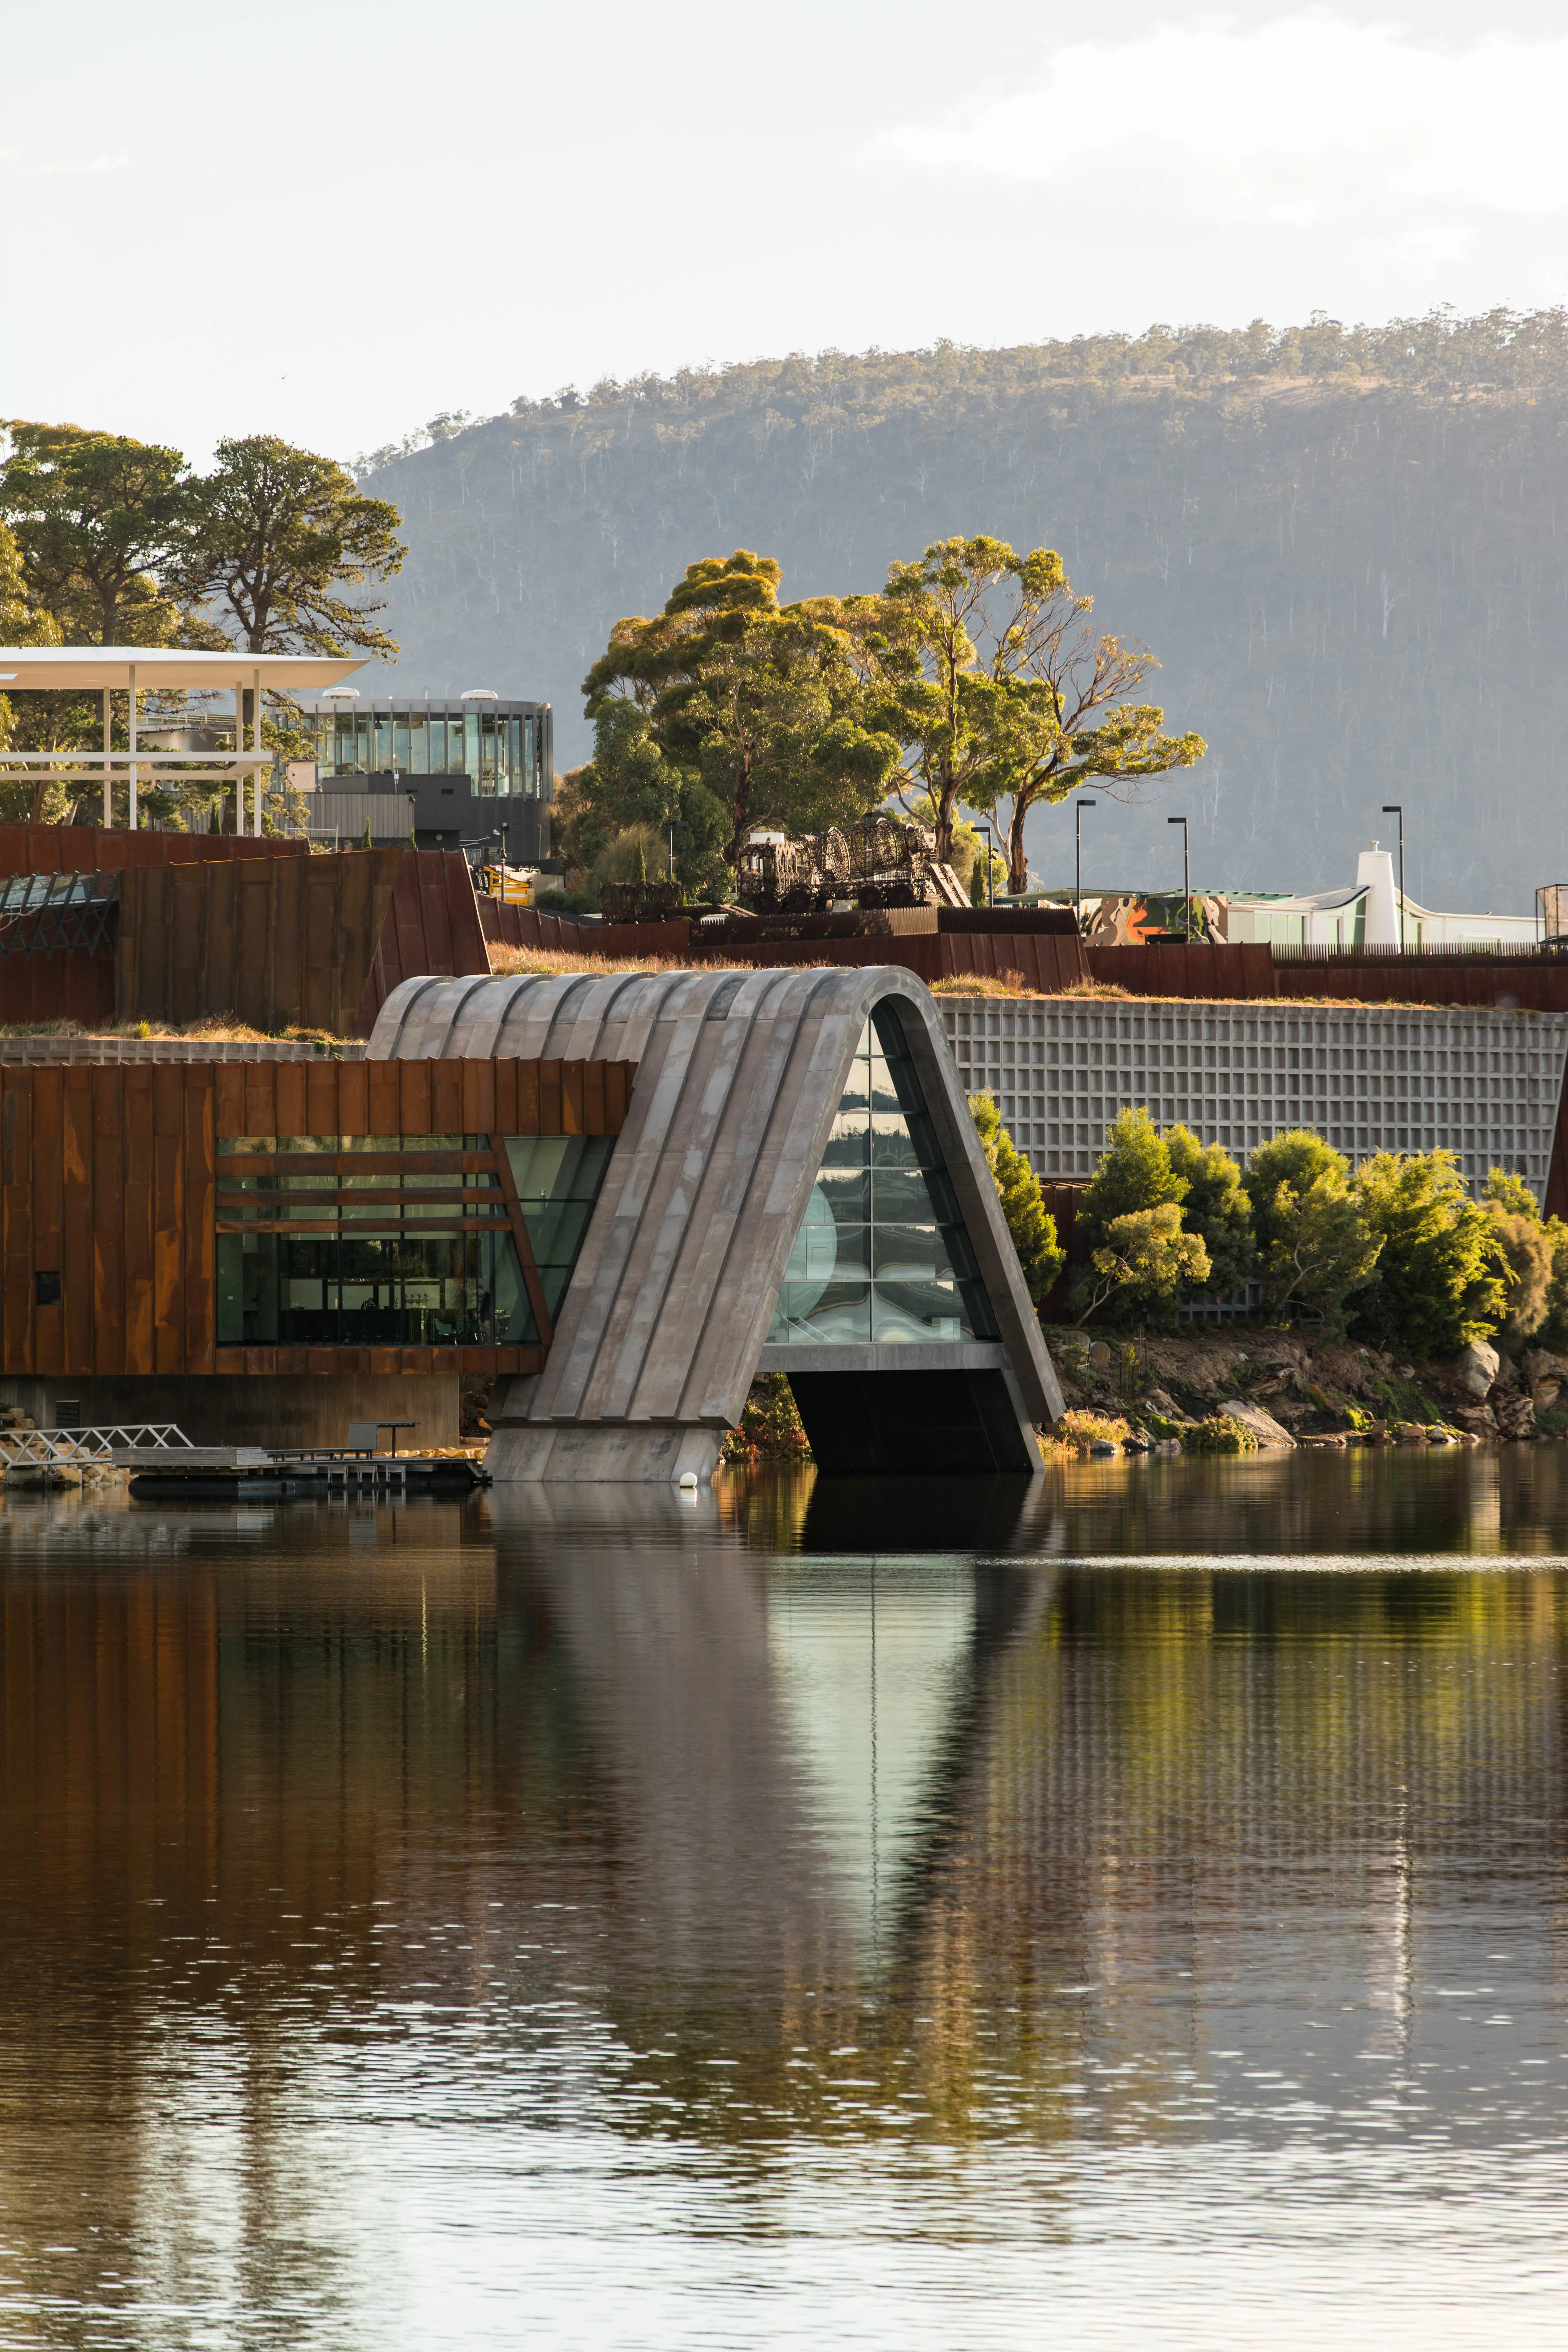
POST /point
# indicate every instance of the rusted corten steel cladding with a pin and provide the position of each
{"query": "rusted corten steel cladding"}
(318, 942)
(109, 1181)
(261, 931)
(110, 849)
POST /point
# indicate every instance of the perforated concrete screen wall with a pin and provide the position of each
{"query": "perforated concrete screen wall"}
(1370, 1078)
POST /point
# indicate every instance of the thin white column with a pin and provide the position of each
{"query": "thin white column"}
(132, 817)
(239, 746)
(256, 742)
(108, 746)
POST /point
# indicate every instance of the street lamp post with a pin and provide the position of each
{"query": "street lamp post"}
(979, 826)
(1079, 830)
(1186, 875)
(1397, 808)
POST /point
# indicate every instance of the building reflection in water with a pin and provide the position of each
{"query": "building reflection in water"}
(730, 1826)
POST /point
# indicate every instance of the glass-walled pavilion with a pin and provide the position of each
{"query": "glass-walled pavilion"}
(503, 748)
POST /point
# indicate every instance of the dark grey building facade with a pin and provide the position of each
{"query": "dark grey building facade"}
(456, 772)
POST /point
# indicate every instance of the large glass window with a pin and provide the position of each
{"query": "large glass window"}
(390, 1241)
(498, 749)
(881, 1254)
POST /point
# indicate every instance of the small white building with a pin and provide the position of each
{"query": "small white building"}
(1364, 913)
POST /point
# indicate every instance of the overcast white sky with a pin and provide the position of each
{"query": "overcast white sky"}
(333, 220)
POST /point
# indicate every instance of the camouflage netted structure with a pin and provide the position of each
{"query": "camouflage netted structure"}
(877, 863)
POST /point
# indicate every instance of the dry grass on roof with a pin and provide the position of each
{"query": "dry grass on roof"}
(506, 962)
(1010, 986)
(212, 1029)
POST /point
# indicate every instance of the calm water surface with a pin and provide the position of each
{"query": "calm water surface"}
(1129, 1913)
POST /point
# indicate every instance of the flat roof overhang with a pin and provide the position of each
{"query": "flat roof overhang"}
(61, 668)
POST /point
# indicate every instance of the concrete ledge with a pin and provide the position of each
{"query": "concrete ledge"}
(32, 1052)
(607, 1453)
(916, 1356)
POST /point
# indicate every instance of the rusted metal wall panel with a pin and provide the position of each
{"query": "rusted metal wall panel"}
(276, 943)
(431, 924)
(58, 988)
(100, 849)
(108, 1182)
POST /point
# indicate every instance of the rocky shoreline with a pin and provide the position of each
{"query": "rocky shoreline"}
(1208, 1392)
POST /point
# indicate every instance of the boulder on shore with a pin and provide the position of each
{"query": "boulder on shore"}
(1263, 1426)
(1476, 1369)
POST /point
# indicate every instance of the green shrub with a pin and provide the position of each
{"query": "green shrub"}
(1314, 1247)
(1147, 1261)
(1215, 1207)
(1220, 1433)
(1033, 1228)
(1554, 1332)
(1134, 1173)
(1078, 1430)
(1528, 1253)
(1510, 1192)
(770, 1429)
(1440, 1274)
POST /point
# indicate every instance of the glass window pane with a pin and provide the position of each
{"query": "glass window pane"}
(908, 1272)
(441, 1283)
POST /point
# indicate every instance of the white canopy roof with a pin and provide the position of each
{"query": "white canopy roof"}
(59, 667)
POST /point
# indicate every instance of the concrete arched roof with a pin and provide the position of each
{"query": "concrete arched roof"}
(740, 1076)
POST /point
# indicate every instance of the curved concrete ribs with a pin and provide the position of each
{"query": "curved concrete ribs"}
(740, 1076)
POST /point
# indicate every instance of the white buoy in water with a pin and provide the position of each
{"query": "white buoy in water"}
(687, 1481)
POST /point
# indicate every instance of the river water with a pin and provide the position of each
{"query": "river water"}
(1133, 1911)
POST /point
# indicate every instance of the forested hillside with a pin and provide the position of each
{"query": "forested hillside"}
(1343, 546)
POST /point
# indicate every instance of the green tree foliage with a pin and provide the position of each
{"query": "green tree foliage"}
(989, 675)
(1313, 521)
(1145, 1260)
(1033, 1228)
(1554, 1332)
(1528, 1246)
(1314, 1245)
(20, 624)
(1510, 1192)
(271, 539)
(1526, 1255)
(97, 519)
(1134, 1173)
(118, 543)
(761, 700)
(631, 782)
(1215, 1207)
(1440, 1278)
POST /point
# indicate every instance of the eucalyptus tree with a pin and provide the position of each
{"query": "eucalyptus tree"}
(984, 662)
(272, 537)
(762, 701)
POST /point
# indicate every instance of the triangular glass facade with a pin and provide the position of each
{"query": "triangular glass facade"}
(881, 1254)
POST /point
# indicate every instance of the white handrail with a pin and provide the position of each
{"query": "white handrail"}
(228, 759)
(40, 1448)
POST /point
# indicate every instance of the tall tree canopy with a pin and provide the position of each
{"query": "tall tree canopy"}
(763, 701)
(981, 661)
(271, 537)
(97, 519)
(971, 680)
(108, 540)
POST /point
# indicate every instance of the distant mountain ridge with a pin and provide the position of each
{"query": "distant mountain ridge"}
(1344, 546)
